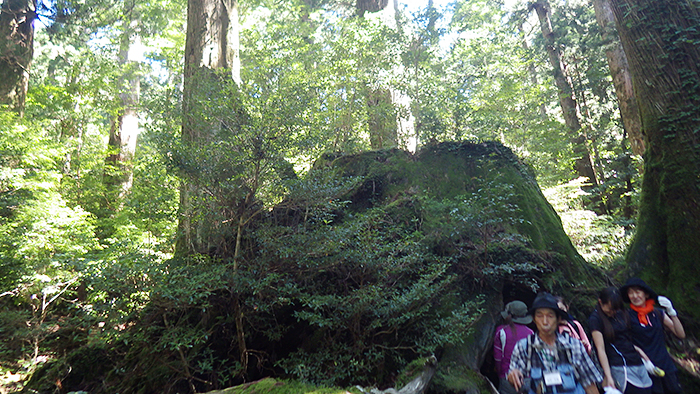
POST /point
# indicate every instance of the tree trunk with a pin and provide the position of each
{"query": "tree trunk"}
(16, 51)
(660, 38)
(211, 44)
(124, 130)
(583, 165)
(370, 6)
(533, 73)
(619, 70)
(211, 36)
(382, 119)
(380, 107)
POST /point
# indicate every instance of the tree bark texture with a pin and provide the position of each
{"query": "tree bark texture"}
(16, 51)
(211, 45)
(124, 129)
(583, 164)
(662, 42)
(370, 6)
(619, 70)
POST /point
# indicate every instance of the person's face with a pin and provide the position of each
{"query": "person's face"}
(562, 306)
(607, 308)
(546, 320)
(638, 297)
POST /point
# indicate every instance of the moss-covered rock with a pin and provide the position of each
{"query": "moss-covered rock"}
(479, 206)
(275, 386)
(371, 261)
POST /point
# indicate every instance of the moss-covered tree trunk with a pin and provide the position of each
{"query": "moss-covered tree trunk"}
(124, 130)
(16, 51)
(662, 42)
(382, 119)
(209, 46)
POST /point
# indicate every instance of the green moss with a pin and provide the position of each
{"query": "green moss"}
(459, 379)
(410, 372)
(274, 386)
(500, 202)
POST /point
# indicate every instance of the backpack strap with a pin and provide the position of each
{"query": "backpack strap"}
(502, 337)
(530, 341)
(579, 327)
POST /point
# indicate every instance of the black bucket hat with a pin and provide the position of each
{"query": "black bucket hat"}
(546, 300)
(636, 282)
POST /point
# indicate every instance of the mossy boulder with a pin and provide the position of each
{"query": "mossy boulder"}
(479, 206)
(371, 261)
(275, 386)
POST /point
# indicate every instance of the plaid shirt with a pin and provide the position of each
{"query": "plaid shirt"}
(585, 371)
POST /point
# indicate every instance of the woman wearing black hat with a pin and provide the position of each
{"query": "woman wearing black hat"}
(647, 329)
(622, 365)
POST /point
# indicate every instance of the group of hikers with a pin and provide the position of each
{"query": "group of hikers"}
(626, 354)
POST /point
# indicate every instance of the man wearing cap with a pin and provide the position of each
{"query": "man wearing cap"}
(547, 350)
(647, 327)
(516, 317)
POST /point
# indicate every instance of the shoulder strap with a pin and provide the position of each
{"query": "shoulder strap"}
(579, 327)
(502, 338)
(530, 341)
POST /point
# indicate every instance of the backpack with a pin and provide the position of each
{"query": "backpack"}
(562, 381)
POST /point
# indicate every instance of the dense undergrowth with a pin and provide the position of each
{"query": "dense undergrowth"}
(370, 262)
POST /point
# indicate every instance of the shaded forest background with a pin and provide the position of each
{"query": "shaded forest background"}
(148, 150)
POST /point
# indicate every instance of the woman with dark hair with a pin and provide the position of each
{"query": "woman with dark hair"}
(515, 317)
(647, 329)
(622, 364)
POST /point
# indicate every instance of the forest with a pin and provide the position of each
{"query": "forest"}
(200, 194)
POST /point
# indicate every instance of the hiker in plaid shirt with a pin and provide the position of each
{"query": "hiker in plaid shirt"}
(549, 347)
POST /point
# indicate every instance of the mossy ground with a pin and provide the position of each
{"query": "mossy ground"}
(275, 386)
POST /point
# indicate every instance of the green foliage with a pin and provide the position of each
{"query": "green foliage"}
(600, 239)
(328, 65)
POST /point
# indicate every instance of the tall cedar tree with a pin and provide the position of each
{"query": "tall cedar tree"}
(622, 81)
(662, 42)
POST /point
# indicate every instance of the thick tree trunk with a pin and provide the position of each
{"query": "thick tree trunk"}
(211, 44)
(619, 70)
(661, 39)
(382, 119)
(370, 6)
(211, 35)
(380, 107)
(16, 51)
(124, 130)
(583, 165)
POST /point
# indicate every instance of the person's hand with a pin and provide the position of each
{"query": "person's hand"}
(608, 382)
(666, 304)
(515, 377)
(652, 369)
